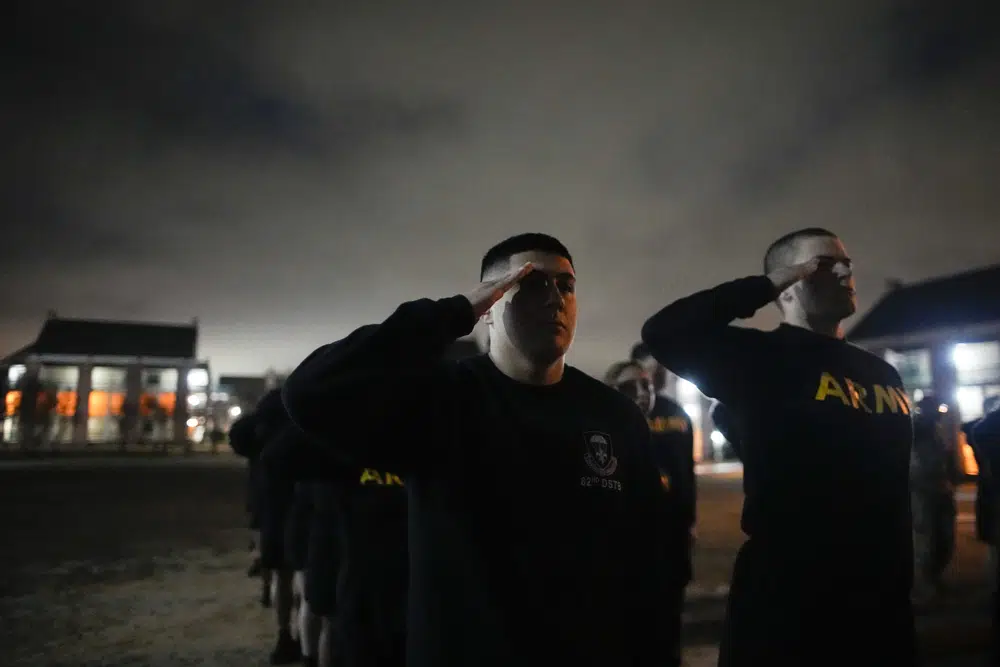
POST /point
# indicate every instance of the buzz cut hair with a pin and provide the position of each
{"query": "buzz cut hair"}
(501, 253)
(640, 352)
(779, 254)
(618, 368)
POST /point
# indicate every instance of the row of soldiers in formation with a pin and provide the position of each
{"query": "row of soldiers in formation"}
(540, 525)
(331, 556)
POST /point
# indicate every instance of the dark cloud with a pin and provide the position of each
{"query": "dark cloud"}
(170, 80)
(929, 42)
(289, 170)
(905, 49)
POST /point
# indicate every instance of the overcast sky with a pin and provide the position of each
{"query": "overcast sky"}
(287, 171)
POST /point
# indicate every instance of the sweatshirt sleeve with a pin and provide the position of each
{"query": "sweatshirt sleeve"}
(377, 395)
(694, 339)
(294, 456)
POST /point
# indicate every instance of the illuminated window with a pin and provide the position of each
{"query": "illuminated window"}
(197, 378)
(969, 401)
(66, 403)
(972, 400)
(159, 380)
(914, 366)
(61, 378)
(107, 378)
(976, 363)
(14, 374)
(12, 402)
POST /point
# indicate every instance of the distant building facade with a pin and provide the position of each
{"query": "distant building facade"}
(235, 395)
(943, 336)
(91, 381)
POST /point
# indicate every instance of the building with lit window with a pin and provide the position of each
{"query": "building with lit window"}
(943, 335)
(99, 381)
(235, 395)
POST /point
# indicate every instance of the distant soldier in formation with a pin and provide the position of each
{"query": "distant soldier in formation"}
(986, 439)
(244, 442)
(933, 476)
(672, 446)
(355, 574)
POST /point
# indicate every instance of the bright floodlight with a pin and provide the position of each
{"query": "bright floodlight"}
(970, 401)
(686, 389)
(718, 439)
(963, 356)
(197, 377)
(235, 411)
(14, 373)
(693, 410)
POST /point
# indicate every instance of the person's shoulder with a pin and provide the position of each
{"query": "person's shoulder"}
(599, 396)
(874, 360)
(666, 406)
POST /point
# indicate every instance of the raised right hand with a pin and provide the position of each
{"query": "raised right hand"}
(490, 291)
(787, 276)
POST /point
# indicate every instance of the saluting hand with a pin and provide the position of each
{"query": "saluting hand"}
(787, 276)
(490, 291)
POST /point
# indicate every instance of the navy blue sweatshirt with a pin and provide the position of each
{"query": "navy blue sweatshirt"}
(536, 512)
(825, 436)
(672, 436)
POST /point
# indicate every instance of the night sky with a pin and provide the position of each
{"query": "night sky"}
(286, 171)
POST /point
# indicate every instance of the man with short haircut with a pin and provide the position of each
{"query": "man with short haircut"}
(672, 433)
(825, 432)
(535, 508)
(672, 443)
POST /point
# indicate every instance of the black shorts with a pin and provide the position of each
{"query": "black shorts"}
(255, 496)
(297, 529)
(370, 626)
(323, 566)
(275, 511)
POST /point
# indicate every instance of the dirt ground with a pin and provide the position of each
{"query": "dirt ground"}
(143, 563)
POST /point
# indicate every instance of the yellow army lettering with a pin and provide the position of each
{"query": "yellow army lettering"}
(891, 399)
(372, 476)
(664, 424)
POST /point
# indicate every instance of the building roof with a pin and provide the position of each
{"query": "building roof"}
(244, 386)
(108, 338)
(962, 300)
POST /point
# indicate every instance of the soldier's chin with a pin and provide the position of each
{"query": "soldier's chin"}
(545, 352)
